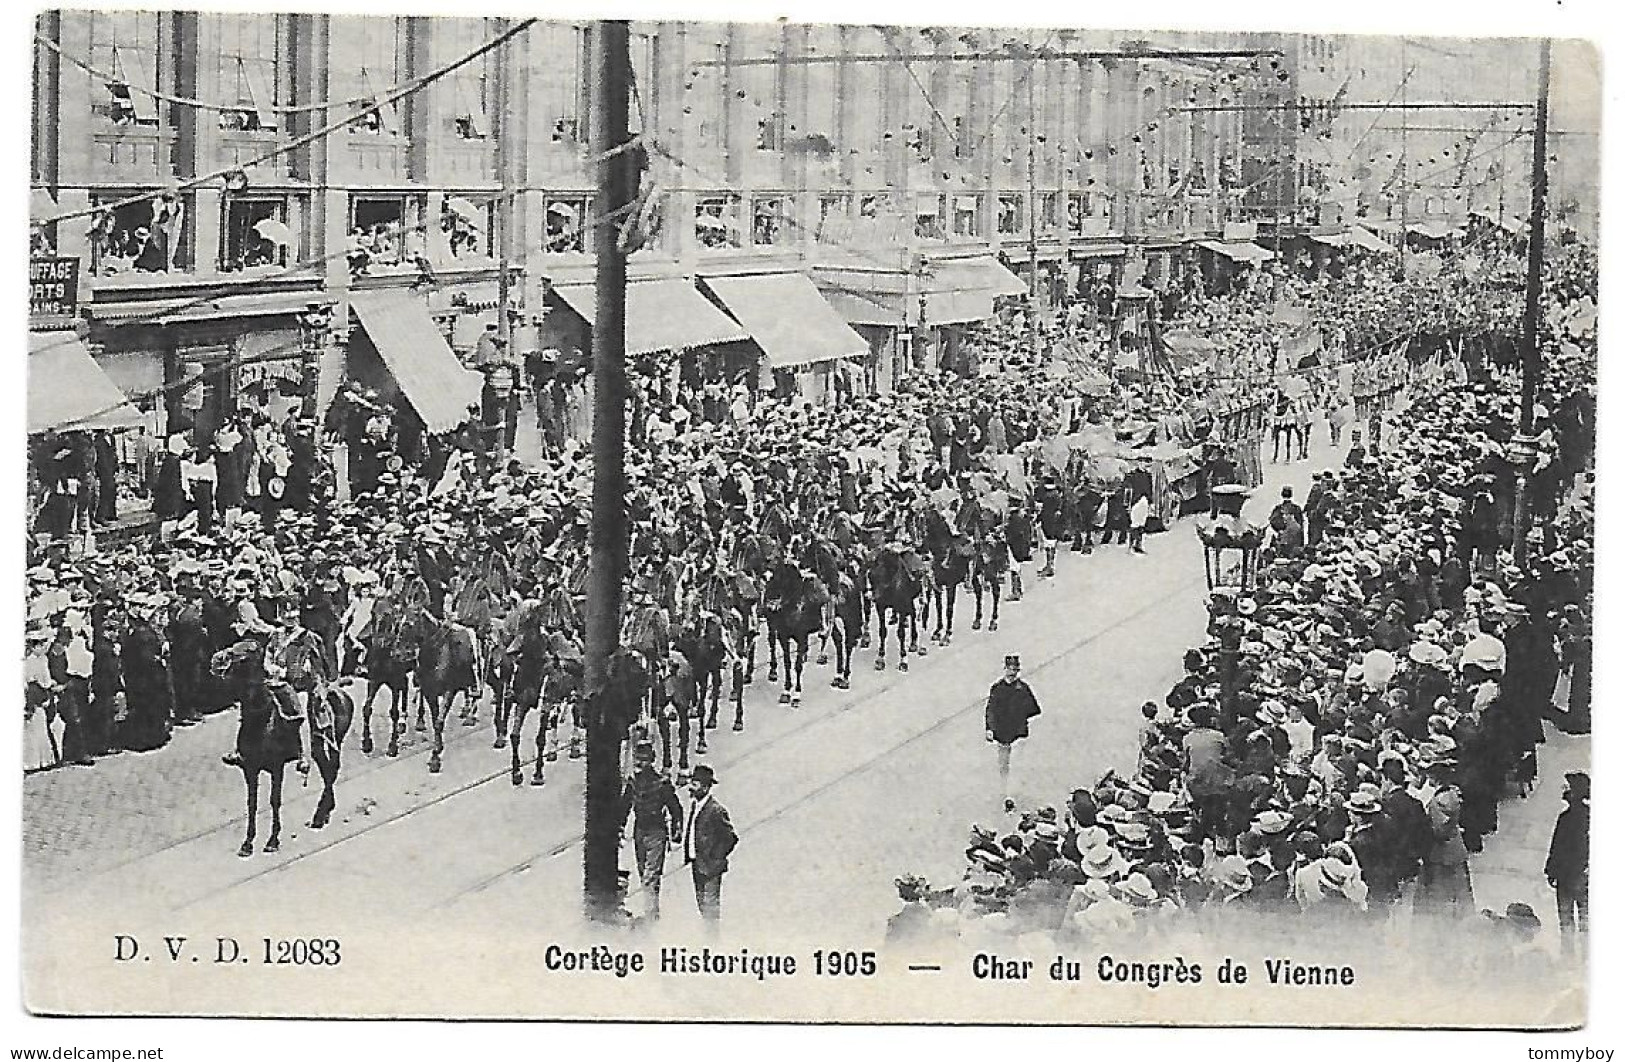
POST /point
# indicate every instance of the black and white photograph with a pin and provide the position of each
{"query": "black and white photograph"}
(808, 521)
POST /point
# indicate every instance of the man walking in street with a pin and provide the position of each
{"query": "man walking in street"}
(1010, 706)
(651, 803)
(708, 840)
(1568, 863)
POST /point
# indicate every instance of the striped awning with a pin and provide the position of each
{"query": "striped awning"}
(660, 315)
(417, 355)
(68, 391)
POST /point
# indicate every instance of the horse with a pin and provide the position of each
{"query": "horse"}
(331, 712)
(268, 739)
(950, 554)
(845, 620)
(703, 641)
(447, 653)
(894, 583)
(547, 677)
(793, 604)
(988, 567)
(391, 657)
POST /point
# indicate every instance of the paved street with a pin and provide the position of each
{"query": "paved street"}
(832, 801)
(1104, 635)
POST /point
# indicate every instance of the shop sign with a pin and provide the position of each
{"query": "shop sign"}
(53, 287)
(282, 372)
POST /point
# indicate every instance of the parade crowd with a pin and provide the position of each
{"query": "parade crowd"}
(1346, 736)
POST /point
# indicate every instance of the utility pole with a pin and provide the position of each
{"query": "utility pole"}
(506, 61)
(1523, 449)
(1404, 158)
(606, 719)
(1032, 210)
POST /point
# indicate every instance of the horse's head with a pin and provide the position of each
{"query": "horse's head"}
(231, 662)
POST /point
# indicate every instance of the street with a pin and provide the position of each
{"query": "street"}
(854, 787)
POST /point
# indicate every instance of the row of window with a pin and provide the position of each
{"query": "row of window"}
(393, 229)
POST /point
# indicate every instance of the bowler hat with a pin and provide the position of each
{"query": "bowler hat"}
(704, 775)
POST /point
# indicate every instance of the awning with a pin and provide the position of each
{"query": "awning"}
(1367, 240)
(1330, 239)
(1238, 250)
(660, 315)
(863, 310)
(1099, 250)
(67, 391)
(787, 318)
(410, 344)
(1434, 230)
(981, 273)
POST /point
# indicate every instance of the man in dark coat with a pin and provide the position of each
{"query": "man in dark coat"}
(1010, 706)
(708, 841)
(189, 652)
(1568, 862)
(650, 801)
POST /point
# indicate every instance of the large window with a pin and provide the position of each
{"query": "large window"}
(467, 228)
(834, 218)
(385, 229)
(1010, 215)
(255, 233)
(928, 216)
(124, 45)
(965, 216)
(566, 216)
(248, 70)
(768, 220)
(716, 221)
(144, 236)
(469, 84)
(375, 52)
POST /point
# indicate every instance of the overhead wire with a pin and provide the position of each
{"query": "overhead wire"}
(322, 132)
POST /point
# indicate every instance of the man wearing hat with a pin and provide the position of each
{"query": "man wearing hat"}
(708, 840)
(651, 803)
(1010, 707)
(1568, 861)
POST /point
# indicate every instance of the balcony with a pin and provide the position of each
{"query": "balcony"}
(132, 154)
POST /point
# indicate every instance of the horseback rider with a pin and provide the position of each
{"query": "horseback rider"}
(287, 718)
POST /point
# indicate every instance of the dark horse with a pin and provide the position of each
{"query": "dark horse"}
(845, 584)
(268, 738)
(331, 711)
(793, 603)
(546, 677)
(894, 583)
(702, 638)
(950, 554)
(447, 655)
(391, 655)
(988, 567)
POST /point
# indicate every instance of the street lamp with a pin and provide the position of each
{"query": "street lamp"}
(315, 327)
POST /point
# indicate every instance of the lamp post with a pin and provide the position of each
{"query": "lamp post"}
(315, 327)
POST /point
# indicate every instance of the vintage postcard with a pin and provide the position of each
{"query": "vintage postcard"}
(808, 522)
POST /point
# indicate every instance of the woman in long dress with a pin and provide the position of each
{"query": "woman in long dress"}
(40, 743)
